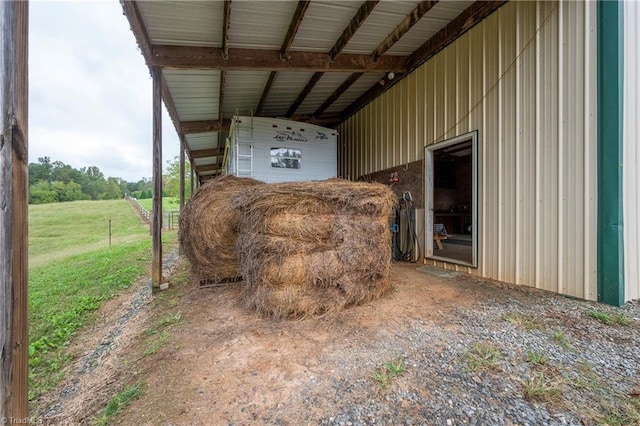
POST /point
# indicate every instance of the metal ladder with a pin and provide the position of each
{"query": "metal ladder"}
(244, 151)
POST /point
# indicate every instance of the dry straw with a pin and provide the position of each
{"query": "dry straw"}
(208, 228)
(312, 248)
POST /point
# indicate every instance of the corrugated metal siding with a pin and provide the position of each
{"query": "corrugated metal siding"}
(269, 19)
(436, 19)
(285, 90)
(321, 91)
(525, 78)
(197, 141)
(195, 93)
(242, 92)
(631, 150)
(323, 24)
(356, 90)
(182, 23)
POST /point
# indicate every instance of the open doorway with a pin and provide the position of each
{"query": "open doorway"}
(451, 200)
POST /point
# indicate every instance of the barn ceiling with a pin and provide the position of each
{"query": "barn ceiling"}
(318, 61)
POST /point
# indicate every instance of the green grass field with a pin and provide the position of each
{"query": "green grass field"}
(168, 203)
(72, 270)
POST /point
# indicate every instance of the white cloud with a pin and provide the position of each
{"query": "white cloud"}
(90, 91)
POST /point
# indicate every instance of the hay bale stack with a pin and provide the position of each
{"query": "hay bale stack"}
(312, 248)
(208, 228)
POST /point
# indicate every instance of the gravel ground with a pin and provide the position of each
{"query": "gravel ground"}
(503, 361)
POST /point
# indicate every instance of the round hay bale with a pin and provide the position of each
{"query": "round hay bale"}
(208, 227)
(312, 248)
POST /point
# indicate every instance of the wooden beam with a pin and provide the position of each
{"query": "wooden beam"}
(204, 126)
(14, 339)
(374, 91)
(458, 26)
(193, 179)
(356, 22)
(182, 180)
(207, 168)
(156, 219)
(133, 14)
(226, 23)
(336, 94)
(190, 57)
(326, 119)
(223, 81)
(202, 153)
(305, 92)
(265, 92)
(409, 21)
(454, 29)
(296, 20)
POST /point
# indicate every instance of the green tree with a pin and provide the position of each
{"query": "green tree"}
(41, 193)
(41, 171)
(171, 178)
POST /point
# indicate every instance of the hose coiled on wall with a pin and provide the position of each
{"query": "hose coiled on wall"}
(405, 238)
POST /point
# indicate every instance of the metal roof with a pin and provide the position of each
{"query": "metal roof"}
(317, 61)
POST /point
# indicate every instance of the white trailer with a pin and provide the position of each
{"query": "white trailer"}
(279, 150)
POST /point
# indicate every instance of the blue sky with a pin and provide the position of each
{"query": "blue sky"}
(90, 91)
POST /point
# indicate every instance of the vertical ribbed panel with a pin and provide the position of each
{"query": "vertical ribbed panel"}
(631, 150)
(525, 79)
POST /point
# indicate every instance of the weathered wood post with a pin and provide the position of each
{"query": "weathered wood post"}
(182, 177)
(14, 23)
(156, 218)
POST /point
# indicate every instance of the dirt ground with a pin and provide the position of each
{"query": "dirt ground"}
(204, 359)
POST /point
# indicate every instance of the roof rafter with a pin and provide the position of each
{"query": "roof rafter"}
(356, 22)
(336, 94)
(223, 80)
(305, 92)
(204, 126)
(454, 29)
(188, 57)
(296, 20)
(459, 25)
(265, 91)
(207, 168)
(202, 153)
(225, 29)
(409, 21)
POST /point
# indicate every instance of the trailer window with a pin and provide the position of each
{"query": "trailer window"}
(286, 158)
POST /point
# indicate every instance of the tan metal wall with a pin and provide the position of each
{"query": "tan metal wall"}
(525, 77)
(631, 150)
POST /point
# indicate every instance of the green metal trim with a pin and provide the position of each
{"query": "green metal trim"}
(610, 92)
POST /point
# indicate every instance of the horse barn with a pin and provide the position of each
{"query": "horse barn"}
(513, 124)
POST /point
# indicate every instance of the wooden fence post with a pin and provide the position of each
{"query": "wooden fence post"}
(156, 211)
(14, 342)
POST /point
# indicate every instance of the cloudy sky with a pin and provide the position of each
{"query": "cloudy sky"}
(90, 91)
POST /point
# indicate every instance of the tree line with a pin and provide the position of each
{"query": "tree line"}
(51, 182)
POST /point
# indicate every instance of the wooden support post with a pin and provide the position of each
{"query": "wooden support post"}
(156, 218)
(182, 178)
(14, 22)
(193, 179)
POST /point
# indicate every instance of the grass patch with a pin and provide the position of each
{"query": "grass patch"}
(389, 371)
(62, 298)
(168, 203)
(537, 358)
(482, 356)
(117, 403)
(603, 317)
(561, 339)
(525, 321)
(541, 388)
